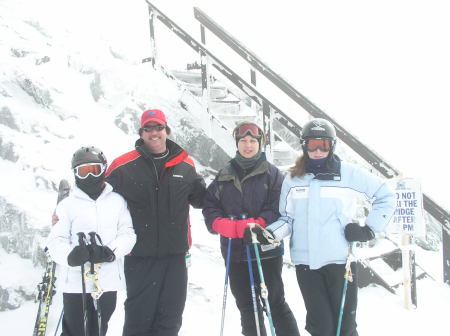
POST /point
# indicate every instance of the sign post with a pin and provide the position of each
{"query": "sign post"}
(408, 221)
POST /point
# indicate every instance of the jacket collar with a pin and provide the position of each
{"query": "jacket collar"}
(331, 170)
(77, 192)
(229, 174)
(174, 150)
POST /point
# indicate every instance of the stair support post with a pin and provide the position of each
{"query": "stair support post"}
(267, 127)
(446, 250)
(409, 281)
(206, 81)
(151, 22)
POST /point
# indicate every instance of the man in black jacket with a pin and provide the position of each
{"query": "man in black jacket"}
(159, 182)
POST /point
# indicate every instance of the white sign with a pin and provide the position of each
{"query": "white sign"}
(408, 215)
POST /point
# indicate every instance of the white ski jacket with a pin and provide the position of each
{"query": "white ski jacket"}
(109, 217)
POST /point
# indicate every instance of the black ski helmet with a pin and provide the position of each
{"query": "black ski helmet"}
(88, 155)
(318, 128)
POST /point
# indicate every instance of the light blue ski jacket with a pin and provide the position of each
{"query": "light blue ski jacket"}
(314, 213)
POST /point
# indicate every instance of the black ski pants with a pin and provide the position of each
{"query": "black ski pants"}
(283, 319)
(156, 295)
(322, 293)
(73, 319)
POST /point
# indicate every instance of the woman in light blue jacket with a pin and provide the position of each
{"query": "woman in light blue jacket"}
(318, 202)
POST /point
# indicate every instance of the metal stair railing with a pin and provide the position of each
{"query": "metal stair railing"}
(434, 209)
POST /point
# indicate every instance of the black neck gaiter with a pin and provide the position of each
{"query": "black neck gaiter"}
(93, 186)
(328, 168)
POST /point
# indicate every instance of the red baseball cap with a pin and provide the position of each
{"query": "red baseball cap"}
(156, 116)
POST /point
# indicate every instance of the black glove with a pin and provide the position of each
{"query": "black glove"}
(354, 232)
(260, 237)
(78, 256)
(101, 254)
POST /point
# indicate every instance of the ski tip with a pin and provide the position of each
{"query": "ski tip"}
(63, 190)
(63, 184)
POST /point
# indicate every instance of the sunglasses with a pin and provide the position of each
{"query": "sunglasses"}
(94, 169)
(248, 129)
(150, 128)
(318, 144)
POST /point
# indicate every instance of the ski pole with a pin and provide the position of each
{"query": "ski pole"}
(347, 277)
(252, 283)
(252, 287)
(264, 291)
(225, 289)
(98, 292)
(81, 238)
(59, 322)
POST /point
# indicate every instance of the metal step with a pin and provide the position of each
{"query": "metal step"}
(192, 77)
(216, 92)
(384, 270)
(225, 107)
(230, 121)
(282, 155)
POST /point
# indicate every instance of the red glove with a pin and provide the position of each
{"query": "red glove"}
(225, 226)
(242, 224)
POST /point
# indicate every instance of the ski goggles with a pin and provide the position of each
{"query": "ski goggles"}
(150, 128)
(94, 169)
(248, 129)
(323, 145)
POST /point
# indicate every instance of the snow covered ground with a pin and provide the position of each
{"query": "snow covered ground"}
(379, 311)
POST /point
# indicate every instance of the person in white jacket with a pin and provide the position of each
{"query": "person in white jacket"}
(91, 207)
(320, 199)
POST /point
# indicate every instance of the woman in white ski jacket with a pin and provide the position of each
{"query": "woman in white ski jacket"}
(92, 207)
(318, 203)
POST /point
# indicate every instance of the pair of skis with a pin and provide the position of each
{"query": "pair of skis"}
(46, 291)
(46, 288)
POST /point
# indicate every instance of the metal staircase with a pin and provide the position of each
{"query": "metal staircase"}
(227, 106)
(231, 107)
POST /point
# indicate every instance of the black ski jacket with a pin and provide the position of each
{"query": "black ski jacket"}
(159, 205)
(256, 195)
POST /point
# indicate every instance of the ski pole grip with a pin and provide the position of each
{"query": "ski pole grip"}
(92, 238)
(81, 237)
(93, 241)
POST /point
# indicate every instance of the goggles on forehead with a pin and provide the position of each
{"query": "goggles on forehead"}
(248, 129)
(94, 169)
(323, 145)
